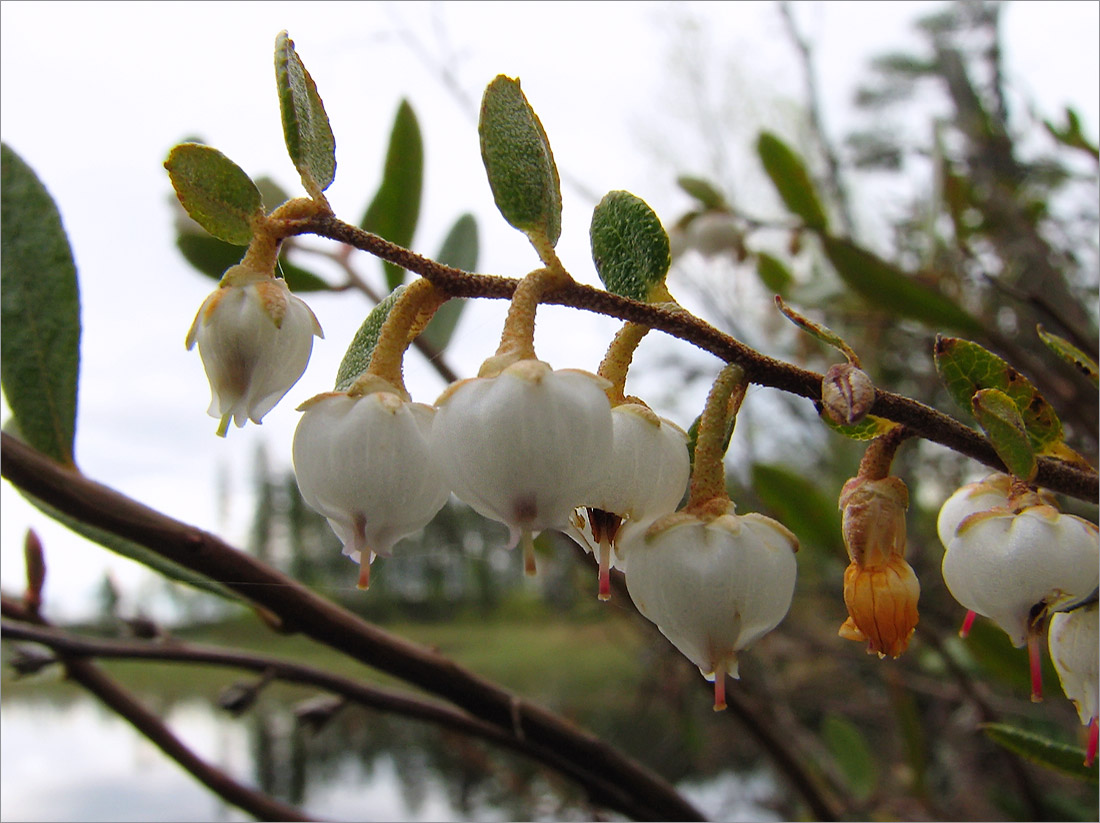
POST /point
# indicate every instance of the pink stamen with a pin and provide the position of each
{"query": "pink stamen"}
(605, 570)
(968, 622)
(529, 554)
(364, 571)
(720, 690)
(1035, 661)
(1090, 752)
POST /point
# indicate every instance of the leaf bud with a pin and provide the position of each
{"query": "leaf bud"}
(847, 394)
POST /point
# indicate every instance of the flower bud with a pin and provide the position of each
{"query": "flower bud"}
(847, 394)
(254, 339)
(880, 587)
(364, 463)
(713, 587)
(988, 493)
(1010, 567)
(524, 447)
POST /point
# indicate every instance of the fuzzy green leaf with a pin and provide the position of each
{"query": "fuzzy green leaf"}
(460, 249)
(868, 428)
(1071, 354)
(215, 191)
(629, 246)
(1003, 425)
(357, 357)
(850, 750)
(39, 312)
(395, 209)
(519, 162)
(775, 276)
(703, 191)
(306, 128)
(965, 368)
(212, 257)
(891, 289)
(790, 178)
(1069, 760)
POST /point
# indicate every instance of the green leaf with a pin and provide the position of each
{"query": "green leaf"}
(460, 249)
(1071, 354)
(272, 193)
(775, 276)
(817, 331)
(1069, 760)
(703, 191)
(800, 505)
(891, 289)
(1003, 425)
(868, 428)
(629, 246)
(965, 368)
(395, 209)
(849, 748)
(693, 437)
(519, 163)
(212, 257)
(306, 129)
(790, 178)
(215, 191)
(39, 312)
(357, 357)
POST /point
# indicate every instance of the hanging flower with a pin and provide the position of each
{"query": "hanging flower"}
(254, 338)
(714, 586)
(880, 587)
(364, 463)
(1073, 640)
(524, 447)
(1012, 566)
(644, 480)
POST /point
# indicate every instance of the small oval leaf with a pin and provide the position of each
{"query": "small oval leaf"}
(459, 249)
(215, 192)
(1063, 758)
(39, 312)
(306, 128)
(852, 753)
(357, 357)
(395, 209)
(629, 246)
(703, 191)
(890, 288)
(965, 368)
(775, 276)
(1071, 354)
(790, 178)
(1003, 425)
(519, 162)
(818, 331)
(868, 428)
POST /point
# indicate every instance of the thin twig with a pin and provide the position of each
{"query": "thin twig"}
(92, 678)
(638, 792)
(923, 420)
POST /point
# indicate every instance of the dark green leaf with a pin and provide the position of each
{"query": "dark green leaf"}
(357, 357)
(629, 246)
(460, 249)
(891, 289)
(519, 163)
(801, 506)
(775, 276)
(965, 368)
(212, 257)
(790, 178)
(395, 209)
(1071, 354)
(868, 428)
(306, 128)
(272, 193)
(215, 191)
(703, 191)
(1003, 425)
(39, 312)
(1069, 760)
(850, 750)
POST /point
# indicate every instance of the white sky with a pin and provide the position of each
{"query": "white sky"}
(93, 95)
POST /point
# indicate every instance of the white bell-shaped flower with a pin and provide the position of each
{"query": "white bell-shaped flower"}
(524, 447)
(1074, 641)
(991, 492)
(713, 587)
(365, 464)
(1008, 567)
(644, 480)
(255, 339)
